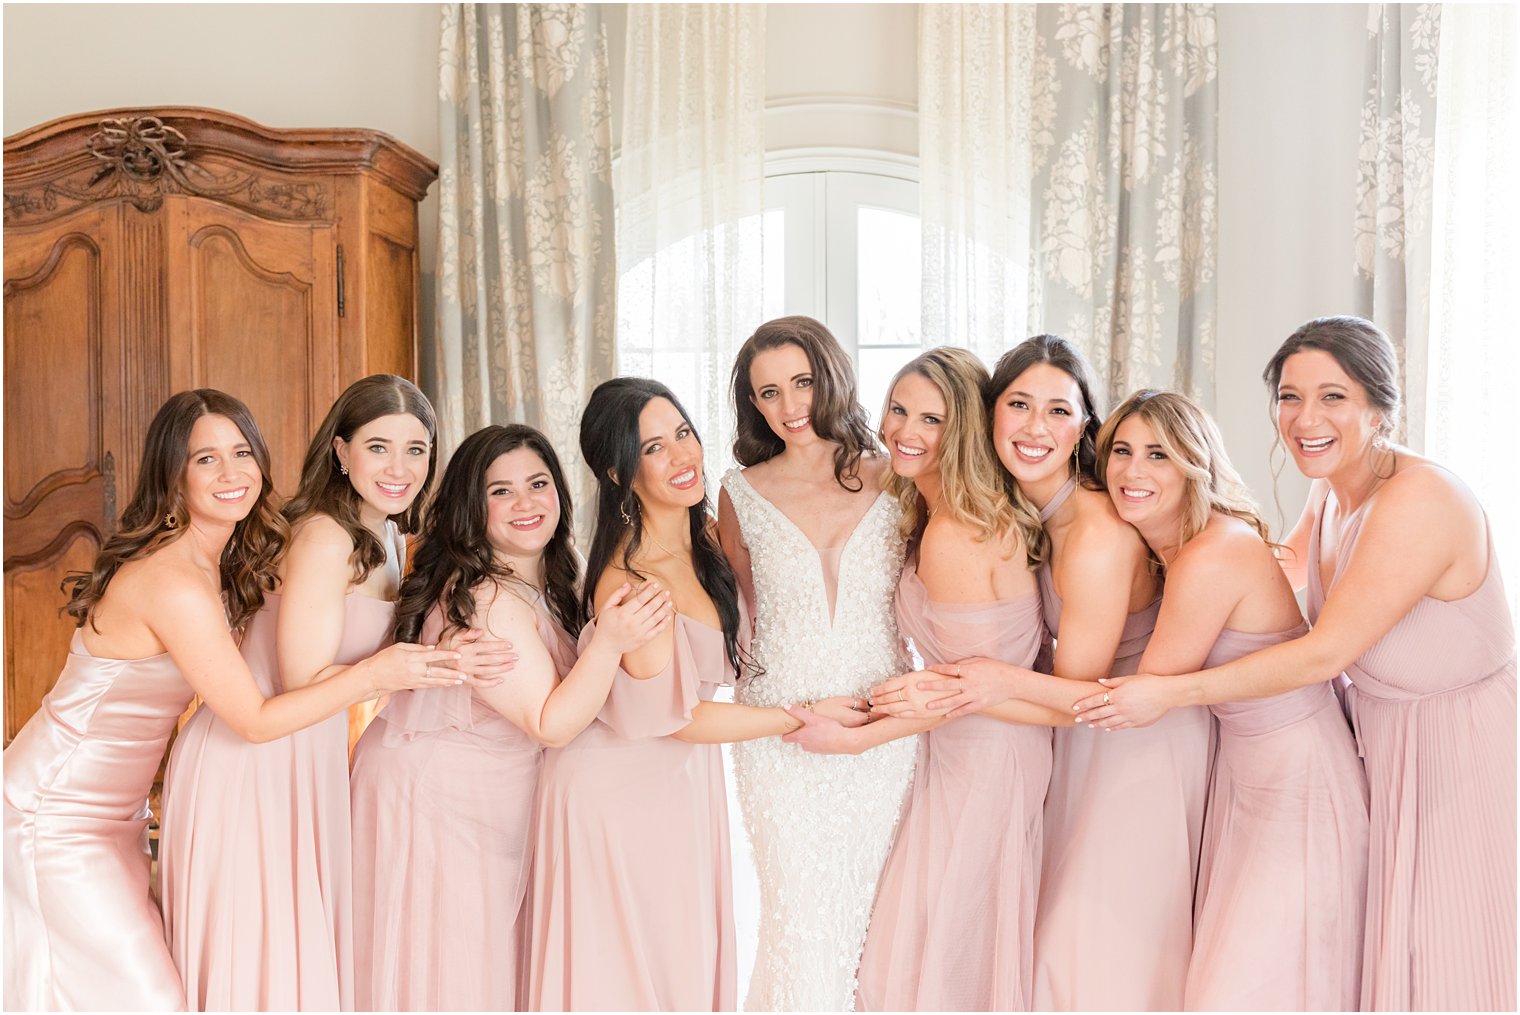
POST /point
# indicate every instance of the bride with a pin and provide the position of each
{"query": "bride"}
(815, 545)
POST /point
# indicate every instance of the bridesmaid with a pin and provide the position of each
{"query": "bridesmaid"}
(1124, 815)
(255, 850)
(1406, 599)
(953, 924)
(631, 900)
(194, 553)
(444, 779)
(1282, 883)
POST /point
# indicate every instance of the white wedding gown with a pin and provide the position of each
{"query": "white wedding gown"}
(820, 825)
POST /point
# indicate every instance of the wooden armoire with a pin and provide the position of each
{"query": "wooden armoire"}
(152, 250)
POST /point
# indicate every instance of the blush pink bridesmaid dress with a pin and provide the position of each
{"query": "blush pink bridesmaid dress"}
(443, 790)
(631, 902)
(1433, 706)
(255, 853)
(82, 932)
(1282, 884)
(1123, 831)
(953, 924)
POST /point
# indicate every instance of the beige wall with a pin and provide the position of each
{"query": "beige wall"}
(1290, 89)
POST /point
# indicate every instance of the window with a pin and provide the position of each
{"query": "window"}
(844, 247)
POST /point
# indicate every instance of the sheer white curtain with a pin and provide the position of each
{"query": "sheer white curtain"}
(977, 79)
(689, 189)
(1474, 351)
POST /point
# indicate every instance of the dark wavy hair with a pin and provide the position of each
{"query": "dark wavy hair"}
(837, 414)
(451, 557)
(248, 563)
(1067, 358)
(324, 489)
(610, 444)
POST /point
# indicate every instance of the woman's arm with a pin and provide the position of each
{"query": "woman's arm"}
(551, 710)
(188, 620)
(1293, 556)
(823, 735)
(1408, 542)
(731, 538)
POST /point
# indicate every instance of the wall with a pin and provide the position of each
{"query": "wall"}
(1290, 92)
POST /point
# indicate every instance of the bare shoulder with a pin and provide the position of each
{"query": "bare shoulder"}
(1424, 488)
(611, 579)
(1098, 531)
(1226, 548)
(503, 610)
(873, 471)
(946, 536)
(320, 534)
(166, 581)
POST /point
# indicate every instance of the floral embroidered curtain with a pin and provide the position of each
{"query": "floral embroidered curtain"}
(526, 277)
(1108, 120)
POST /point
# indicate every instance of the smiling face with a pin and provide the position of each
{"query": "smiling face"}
(670, 458)
(1147, 487)
(1037, 423)
(913, 426)
(781, 384)
(222, 481)
(387, 462)
(1324, 415)
(522, 504)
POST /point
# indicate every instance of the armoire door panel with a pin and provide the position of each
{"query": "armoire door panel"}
(54, 316)
(252, 304)
(36, 635)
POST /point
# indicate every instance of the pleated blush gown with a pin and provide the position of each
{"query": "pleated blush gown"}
(255, 853)
(82, 932)
(631, 901)
(1433, 706)
(1282, 883)
(1123, 833)
(443, 789)
(953, 924)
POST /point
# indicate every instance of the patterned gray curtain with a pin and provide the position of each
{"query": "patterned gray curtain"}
(1123, 103)
(1394, 187)
(526, 276)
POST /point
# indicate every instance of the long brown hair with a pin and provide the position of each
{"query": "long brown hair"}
(1067, 358)
(247, 566)
(836, 414)
(453, 557)
(324, 489)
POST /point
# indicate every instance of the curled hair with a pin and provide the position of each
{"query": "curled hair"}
(248, 562)
(1191, 441)
(836, 413)
(1067, 358)
(610, 444)
(324, 489)
(971, 484)
(452, 557)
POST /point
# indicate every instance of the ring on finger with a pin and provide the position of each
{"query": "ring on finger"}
(900, 696)
(1105, 697)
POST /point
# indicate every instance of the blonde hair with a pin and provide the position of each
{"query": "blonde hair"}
(972, 490)
(1191, 441)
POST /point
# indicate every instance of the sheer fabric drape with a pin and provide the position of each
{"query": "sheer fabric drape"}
(690, 196)
(526, 277)
(1473, 356)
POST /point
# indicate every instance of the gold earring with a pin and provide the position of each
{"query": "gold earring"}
(623, 511)
(171, 521)
(343, 469)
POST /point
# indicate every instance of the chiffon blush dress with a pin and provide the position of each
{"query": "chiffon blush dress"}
(443, 790)
(1123, 831)
(953, 925)
(255, 853)
(1282, 882)
(1433, 706)
(631, 905)
(81, 930)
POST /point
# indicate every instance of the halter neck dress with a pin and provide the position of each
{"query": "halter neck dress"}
(1123, 832)
(1433, 706)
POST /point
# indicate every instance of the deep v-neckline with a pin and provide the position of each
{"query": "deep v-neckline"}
(818, 552)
